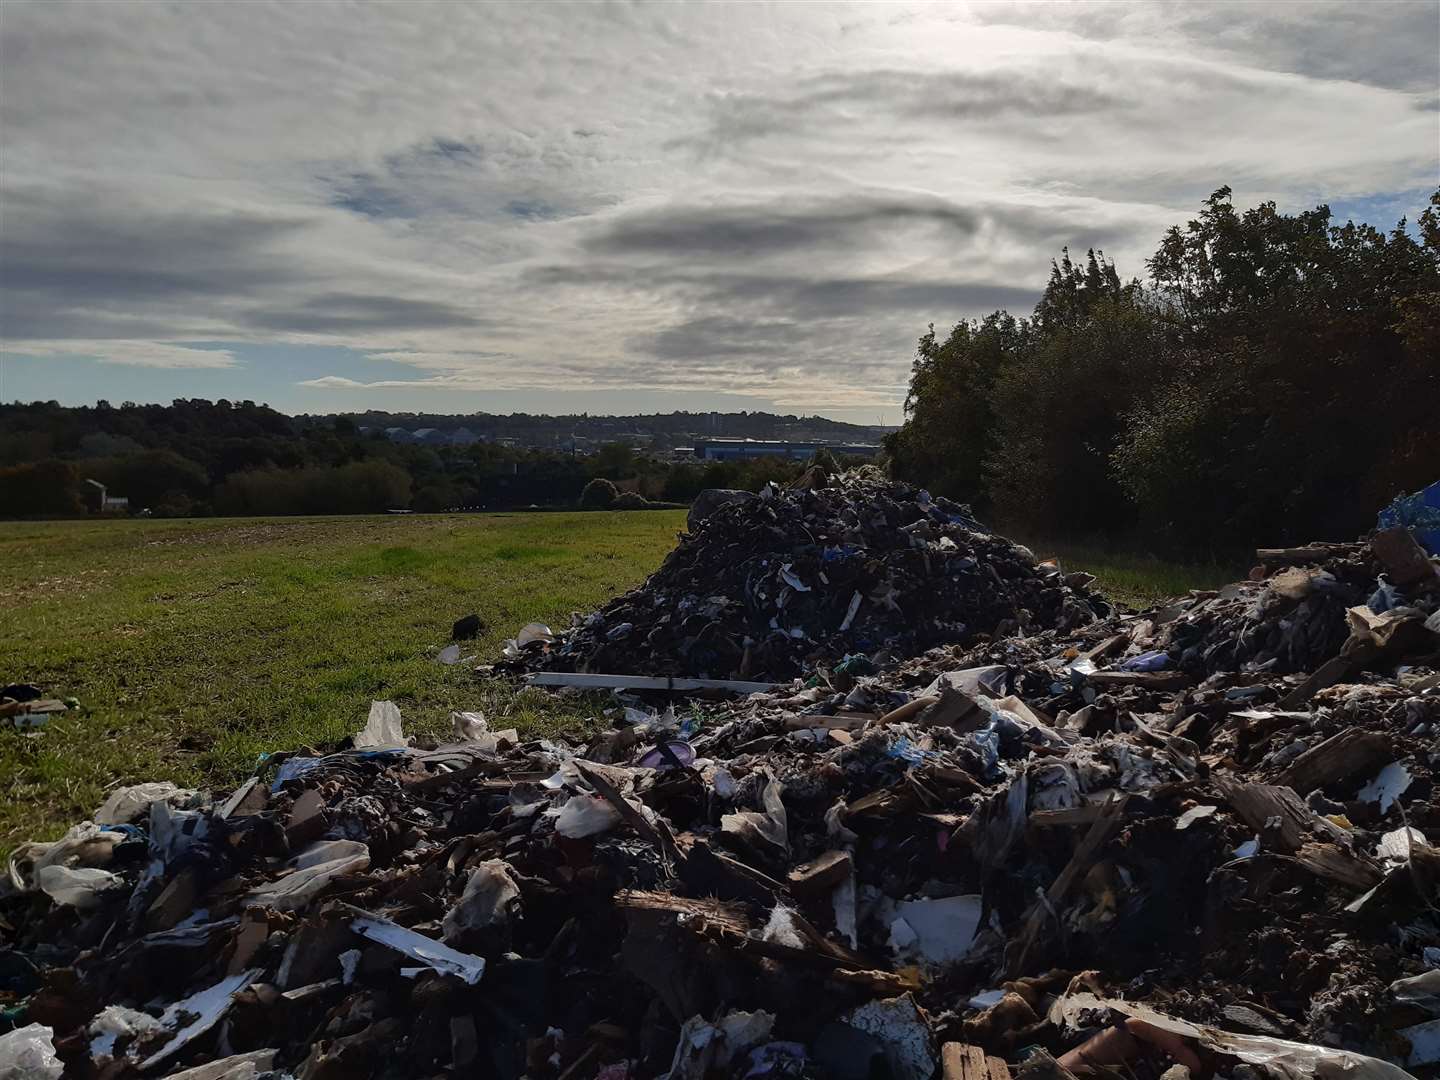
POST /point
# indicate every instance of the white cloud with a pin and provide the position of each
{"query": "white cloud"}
(770, 201)
(149, 354)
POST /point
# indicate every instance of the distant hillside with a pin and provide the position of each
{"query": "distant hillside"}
(542, 430)
(197, 457)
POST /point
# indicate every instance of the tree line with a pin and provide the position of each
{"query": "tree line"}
(1275, 379)
(198, 458)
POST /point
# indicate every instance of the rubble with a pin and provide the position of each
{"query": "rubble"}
(1076, 851)
(768, 586)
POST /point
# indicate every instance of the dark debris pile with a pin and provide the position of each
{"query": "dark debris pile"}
(1076, 852)
(767, 586)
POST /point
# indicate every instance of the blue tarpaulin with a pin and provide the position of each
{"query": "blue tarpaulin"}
(1420, 512)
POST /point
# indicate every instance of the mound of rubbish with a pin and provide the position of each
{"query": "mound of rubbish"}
(769, 586)
(1072, 852)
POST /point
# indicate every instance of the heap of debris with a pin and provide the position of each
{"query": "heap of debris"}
(1070, 853)
(767, 586)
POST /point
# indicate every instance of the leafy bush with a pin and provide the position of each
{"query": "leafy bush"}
(42, 489)
(362, 487)
(629, 500)
(599, 494)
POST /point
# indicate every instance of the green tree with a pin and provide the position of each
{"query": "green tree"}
(40, 489)
(599, 494)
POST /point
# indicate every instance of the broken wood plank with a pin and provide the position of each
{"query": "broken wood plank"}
(1041, 910)
(1075, 815)
(1310, 553)
(908, 711)
(1337, 864)
(820, 876)
(961, 1061)
(1353, 750)
(884, 802)
(673, 684)
(1336, 669)
(726, 915)
(1273, 810)
(1105, 648)
(954, 709)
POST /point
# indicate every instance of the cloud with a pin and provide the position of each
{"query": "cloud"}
(149, 354)
(781, 225)
(1387, 43)
(1014, 94)
(343, 382)
(350, 314)
(689, 199)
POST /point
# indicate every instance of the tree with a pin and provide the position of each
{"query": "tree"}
(1275, 381)
(40, 489)
(599, 494)
(614, 461)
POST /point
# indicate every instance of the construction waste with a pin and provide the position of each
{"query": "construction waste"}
(766, 586)
(1080, 849)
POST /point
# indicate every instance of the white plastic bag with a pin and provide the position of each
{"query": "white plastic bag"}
(28, 1053)
(382, 728)
(85, 844)
(586, 815)
(78, 888)
(314, 869)
(489, 899)
(129, 803)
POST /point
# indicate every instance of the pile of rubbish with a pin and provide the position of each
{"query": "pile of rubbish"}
(1080, 851)
(766, 586)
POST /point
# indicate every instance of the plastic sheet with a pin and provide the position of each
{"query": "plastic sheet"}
(382, 729)
(28, 1053)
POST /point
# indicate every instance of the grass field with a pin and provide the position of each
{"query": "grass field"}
(195, 646)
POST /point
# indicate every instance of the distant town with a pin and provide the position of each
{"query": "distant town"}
(676, 436)
(197, 458)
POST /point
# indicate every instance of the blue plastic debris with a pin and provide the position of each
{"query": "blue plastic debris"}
(906, 750)
(293, 768)
(1147, 661)
(1420, 513)
(1384, 598)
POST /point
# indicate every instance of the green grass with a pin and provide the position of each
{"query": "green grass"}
(1137, 579)
(195, 646)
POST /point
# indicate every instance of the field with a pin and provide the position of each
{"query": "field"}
(196, 646)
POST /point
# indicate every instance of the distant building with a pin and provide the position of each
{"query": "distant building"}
(735, 449)
(431, 436)
(463, 437)
(99, 501)
(399, 434)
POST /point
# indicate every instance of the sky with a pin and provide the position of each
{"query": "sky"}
(637, 207)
